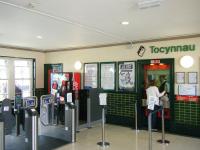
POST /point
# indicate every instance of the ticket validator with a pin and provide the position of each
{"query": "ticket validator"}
(31, 122)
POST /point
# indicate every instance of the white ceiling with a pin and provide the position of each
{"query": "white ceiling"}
(78, 23)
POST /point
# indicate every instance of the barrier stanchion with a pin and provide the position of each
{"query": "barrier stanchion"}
(163, 141)
(136, 123)
(150, 126)
(77, 115)
(103, 143)
(89, 113)
(150, 131)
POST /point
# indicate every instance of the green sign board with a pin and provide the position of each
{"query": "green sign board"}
(170, 49)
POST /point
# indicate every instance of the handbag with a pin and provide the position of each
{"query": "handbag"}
(164, 100)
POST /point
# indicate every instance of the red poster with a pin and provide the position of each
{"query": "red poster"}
(76, 81)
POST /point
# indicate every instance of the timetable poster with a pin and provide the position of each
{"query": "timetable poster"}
(108, 76)
(91, 76)
(127, 76)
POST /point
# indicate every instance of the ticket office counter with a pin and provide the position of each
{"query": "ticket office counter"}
(161, 71)
(182, 113)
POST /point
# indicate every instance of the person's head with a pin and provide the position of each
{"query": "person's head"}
(162, 78)
(152, 83)
(55, 85)
(63, 83)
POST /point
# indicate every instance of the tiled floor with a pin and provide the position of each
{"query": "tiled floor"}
(122, 138)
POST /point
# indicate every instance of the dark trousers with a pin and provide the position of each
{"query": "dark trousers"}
(154, 118)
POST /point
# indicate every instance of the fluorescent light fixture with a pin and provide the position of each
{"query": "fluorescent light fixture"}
(39, 37)
(125, 23)
(143, 4)
(186, 61)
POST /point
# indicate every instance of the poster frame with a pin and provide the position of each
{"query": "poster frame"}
(100, 85)
(97, 82)
(127, 90)
(186, 94)
(189, 78)
(180, 81)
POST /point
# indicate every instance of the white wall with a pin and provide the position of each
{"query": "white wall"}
(39, 57)
(122, 53)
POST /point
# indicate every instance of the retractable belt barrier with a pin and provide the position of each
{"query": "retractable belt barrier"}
(163, 141)
(103, 142)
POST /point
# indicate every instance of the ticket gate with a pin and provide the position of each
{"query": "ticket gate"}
(2, 136)
(31, 123)
(49, 116)
(47, 110)
(7, 121)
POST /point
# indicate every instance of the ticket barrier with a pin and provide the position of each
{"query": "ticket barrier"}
(31, 122)
(7, 121)
(2, 136)
(49, 118)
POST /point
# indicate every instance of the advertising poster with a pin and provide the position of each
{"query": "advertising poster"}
(127, 76)
(91, 76)
(60, 82)
(52, 68)
(108, 76)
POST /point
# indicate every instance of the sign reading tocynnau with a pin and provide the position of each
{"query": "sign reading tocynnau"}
(170, 49)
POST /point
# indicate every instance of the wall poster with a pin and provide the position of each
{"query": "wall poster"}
(180, 77)
(61, 82)
(108, 76)
(90, 75)
(126, 76)
(187, 89)
(192, 77)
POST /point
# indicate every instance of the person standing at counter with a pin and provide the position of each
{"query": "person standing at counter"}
(153, 96)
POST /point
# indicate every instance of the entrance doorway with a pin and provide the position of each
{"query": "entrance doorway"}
(162, 71)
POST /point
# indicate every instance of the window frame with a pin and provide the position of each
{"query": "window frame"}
(11, 75)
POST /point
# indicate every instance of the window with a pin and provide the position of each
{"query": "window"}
(3, 79)
(23, 76)
(15, 75)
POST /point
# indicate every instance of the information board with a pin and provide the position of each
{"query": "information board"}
(91, 75)
(187, 89)
(108, 76)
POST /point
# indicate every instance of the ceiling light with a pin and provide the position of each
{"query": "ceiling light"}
(39, 37)
(124, 22)
(186, 61)
(143, 4)
(78, 65)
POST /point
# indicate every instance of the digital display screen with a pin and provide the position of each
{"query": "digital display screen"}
(30, 103)
(46, 100)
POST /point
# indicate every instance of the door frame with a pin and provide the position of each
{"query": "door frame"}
(140, 80)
